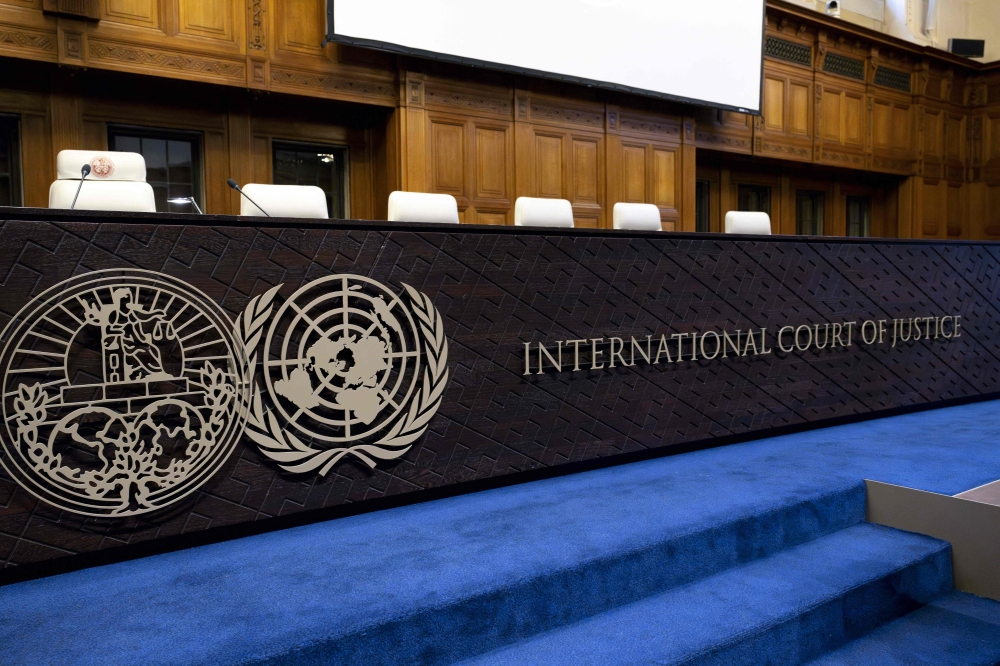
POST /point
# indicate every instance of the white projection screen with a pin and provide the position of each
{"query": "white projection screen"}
(702, 51)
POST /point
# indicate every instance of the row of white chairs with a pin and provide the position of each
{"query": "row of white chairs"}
(117, 181)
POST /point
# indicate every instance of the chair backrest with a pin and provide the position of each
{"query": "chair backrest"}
(637, 217)
(304, 201)
(740, 222)
(117, 181)
(422, 207)
(533, 212)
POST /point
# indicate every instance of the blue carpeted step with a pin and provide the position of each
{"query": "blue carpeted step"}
(956, 630)
(785, 609)
(440, 581)
(426, 584)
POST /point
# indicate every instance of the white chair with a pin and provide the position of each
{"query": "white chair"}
(740, 222)
(117, 181)
(637, 217)
(305, 201)
(533, 212)
(422, 207)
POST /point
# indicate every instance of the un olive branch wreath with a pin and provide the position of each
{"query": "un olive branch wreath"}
(291, 454)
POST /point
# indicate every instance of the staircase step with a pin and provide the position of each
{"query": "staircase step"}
(956, 630)
(785, 609)
(430, 583)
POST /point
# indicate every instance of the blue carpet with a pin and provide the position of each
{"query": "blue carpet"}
(446, 580)
(783, 609)
(956, 630)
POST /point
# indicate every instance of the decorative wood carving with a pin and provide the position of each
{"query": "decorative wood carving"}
(24, 39)
(470, 101)
(322, 82)
(258, 39)
(646, 126)
(149, 58)
(548, 112)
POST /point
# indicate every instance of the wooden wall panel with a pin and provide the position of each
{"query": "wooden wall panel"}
(549, 165)
(784, 131)
(774, 104)
(491, 163)
(585, 171)
(144, 13)
(209, 18)
(447, 158)
(665, 178)
(634, 173)
(300, 26)
(647, 161)
(798, 109)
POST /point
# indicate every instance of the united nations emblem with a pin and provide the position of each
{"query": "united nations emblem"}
(123, 392)
(351, 369)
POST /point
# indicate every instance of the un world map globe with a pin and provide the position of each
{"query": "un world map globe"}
(342, 358)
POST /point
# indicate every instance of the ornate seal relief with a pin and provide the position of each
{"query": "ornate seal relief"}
(123, 392)
(350, 368)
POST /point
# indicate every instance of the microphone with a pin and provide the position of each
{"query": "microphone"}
(84, 172)
(232, 184)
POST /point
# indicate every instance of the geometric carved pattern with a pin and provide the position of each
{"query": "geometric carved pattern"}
(892, 78)
(28, 40)
(561, 114)
(838, 64)
(475, 102)
(180, 61)
(790, 51)
(322, 81)
(496, 290)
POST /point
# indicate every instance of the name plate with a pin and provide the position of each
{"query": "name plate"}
(167, 379)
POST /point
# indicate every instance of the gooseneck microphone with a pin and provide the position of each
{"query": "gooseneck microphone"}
(84, 172)
(232, 184)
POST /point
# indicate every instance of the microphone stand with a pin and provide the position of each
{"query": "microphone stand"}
(84, 172)
(232, 184)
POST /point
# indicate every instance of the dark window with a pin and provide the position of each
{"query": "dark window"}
(859, 216)
(702, 189)
(322, 166)
(809, 213)
(173, 163)
(755, 199)
(10, 162)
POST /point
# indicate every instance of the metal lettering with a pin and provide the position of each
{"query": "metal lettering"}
(594, 353)
(553, 361)
(621, 349)
(781, 334)
(718, 345)
(635, 345)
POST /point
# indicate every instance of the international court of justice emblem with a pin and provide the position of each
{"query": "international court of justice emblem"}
(123, 392)
(349, 369)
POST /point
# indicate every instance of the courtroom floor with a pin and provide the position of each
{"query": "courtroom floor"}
(445, 581)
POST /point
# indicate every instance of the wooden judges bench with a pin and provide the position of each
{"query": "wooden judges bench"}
(647, 312)
(847, 112)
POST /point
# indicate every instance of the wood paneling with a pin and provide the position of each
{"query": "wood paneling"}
(491, 163)
(487, 138)
(549, 165)
(774, 104)
(447, 157)
(585, 171)
(145, 13)
(665, 178)
(300, 25)
(634, 173)
(208, 18)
